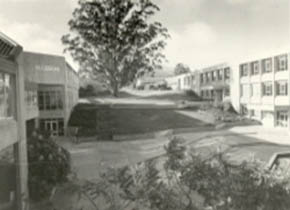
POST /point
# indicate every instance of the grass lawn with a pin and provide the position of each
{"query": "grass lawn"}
(129, 120)
(134, 121)
(175, 96)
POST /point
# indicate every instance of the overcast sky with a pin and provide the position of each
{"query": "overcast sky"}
(203, 32)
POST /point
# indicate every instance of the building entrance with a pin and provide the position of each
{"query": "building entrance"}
(54, 126)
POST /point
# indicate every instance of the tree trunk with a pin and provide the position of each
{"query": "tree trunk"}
(115, 90)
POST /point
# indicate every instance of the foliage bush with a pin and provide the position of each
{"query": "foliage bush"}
(188, 181)
(192, 95)
(49, 165)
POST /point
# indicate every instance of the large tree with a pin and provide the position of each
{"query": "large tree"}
(116, 38)
(181, 68)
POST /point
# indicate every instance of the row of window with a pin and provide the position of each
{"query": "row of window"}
(210, 93)
(216, 75)
(266, 88)
(50, 100)
(282, 116)
(207, 93)
(6, 96)
(187, 81)
(254, 68)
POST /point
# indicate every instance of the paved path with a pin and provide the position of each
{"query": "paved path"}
(241, 143)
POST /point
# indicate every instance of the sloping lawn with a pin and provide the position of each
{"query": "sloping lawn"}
(176, 96)
(128, 120)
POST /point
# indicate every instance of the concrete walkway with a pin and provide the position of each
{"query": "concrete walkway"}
(273, 135)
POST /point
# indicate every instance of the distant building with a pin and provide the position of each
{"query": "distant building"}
(214, 82)
(147, 83)
(186, 81)
(264, 90)
(13, 153)
(51, 91)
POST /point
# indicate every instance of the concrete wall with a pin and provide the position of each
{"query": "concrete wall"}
(43, 68)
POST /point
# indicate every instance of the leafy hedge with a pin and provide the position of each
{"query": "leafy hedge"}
(185, 180)
(49, 165)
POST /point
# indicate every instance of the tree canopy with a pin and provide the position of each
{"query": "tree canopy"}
(181, 68)
(116, 38)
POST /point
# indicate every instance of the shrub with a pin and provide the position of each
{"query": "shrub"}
(192, 95)
(183, 181)
(49, 165)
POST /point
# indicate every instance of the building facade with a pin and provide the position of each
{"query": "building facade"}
(13, 153)
(214, 83)
(264, 90)
(51, 90)
(185, 81)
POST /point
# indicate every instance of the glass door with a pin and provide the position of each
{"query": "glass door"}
(52, 127)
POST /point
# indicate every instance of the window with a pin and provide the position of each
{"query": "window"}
(6, 96)
(207, 76)
(267, 89)
(253, 113)
(31, 98)
(267, 65)
(54, 126)
(244, 110)
(245, 89)
(244, 70)
(282, 119)
(227, 73)
(219, 73)
(50, 100)
(282, 88)
(255, 90)
(214, 75)
(255, 68)
(227, 92)
(282, 63)
(201, 78)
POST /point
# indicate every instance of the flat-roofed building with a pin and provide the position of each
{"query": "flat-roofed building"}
(264, 90)
(214, 82)
(51, 86)
(186, 81)
(13, 153)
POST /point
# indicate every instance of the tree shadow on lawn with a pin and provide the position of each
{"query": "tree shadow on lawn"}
(134, 121)
(126, 121)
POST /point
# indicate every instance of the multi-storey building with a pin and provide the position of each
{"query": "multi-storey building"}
(51, 90)
(214, 82)
(264, 90)
(13, 153)
(186, 81)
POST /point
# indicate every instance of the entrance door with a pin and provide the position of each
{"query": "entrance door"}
(52, 127)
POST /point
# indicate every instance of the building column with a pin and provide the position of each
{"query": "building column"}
(21, 146)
